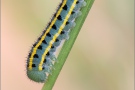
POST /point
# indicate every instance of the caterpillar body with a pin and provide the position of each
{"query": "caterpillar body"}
(41, 57)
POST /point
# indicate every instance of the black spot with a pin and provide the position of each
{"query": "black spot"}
(67, 22)
(44, 42)
(48, 34)
(59, 18)
(27, 65)
(35, 56)
(60, 4)
(44, 60)
(48, 54)
(52, 46)
(55, 15)
(54, 27)
(57, 40)
(33, 65)
(49, 23)
(40, 47)
(43, 68)
(34, 45)
(77, 2)
(39, 38)
(62, 32)
(72, 12)
(65, 7)
(29, 55)
(44, 31)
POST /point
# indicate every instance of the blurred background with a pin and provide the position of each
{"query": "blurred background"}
(102, 57)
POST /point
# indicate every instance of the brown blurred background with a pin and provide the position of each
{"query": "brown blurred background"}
(102, 57)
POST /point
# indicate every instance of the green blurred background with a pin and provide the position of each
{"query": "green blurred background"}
(102, 57)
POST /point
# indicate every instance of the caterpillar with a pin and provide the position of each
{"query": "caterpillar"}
(41, 58)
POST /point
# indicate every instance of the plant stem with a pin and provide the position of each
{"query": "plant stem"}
(48, 85)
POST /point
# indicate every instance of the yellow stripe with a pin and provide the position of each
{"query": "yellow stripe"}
(43, 37)
(57, 34)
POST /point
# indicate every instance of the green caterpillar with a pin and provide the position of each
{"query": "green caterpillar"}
(41, 57)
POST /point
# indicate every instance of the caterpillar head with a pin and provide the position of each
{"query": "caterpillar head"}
(37, 76)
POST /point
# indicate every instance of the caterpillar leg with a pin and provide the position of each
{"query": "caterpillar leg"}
(64, 35)
(53, 48)
(75, 15)
(80, 3)
(53, 58)
(57, 42)
(70, 25)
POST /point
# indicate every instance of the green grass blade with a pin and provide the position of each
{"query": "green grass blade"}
(48, 85)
